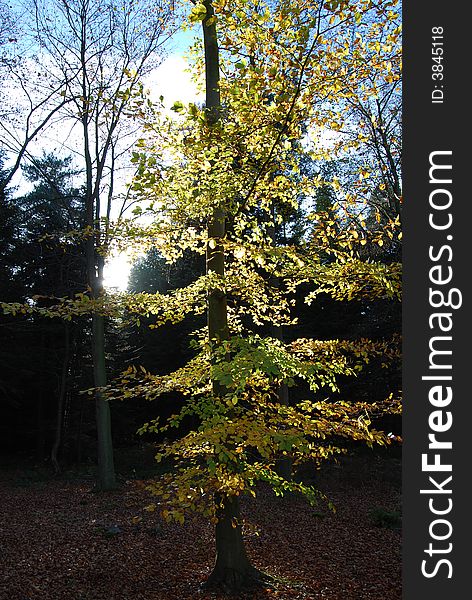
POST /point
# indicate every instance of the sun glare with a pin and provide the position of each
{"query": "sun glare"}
(116, 274)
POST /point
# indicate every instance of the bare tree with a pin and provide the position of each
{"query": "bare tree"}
(88, 58)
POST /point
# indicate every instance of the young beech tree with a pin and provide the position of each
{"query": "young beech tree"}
(215, 179)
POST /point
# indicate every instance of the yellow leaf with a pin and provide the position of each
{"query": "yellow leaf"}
(198, 13)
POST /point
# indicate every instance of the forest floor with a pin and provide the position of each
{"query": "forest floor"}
(59, 541)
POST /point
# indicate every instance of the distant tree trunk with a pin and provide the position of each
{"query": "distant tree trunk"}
(60, 401)
(41, 433)
(106, 479)
(283, 465)
(232, 569)
(106, 467)
(78, 439)
(41, 425)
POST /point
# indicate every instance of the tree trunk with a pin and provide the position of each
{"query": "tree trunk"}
(78, 437)
(60, 401)
(106, 479)
(41, 428)
(283, 464)
(232, 570)
(106, 468)
(41, 421)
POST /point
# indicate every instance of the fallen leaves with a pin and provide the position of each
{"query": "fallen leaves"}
(61, 542)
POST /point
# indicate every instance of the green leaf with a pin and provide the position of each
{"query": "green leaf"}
(177, 106)
(198, 13)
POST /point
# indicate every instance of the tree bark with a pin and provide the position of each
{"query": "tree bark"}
(232, 571)
(41, 421)
(41, 429)
(106, 479)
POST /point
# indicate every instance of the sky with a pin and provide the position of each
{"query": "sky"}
(172, 81)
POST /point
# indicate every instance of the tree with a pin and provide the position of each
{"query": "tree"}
(152, 273)
(93, 57)
(230, 160)
(232, 563)
(29, 104)
(54, 206)
(365, 116)
(8, 35)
